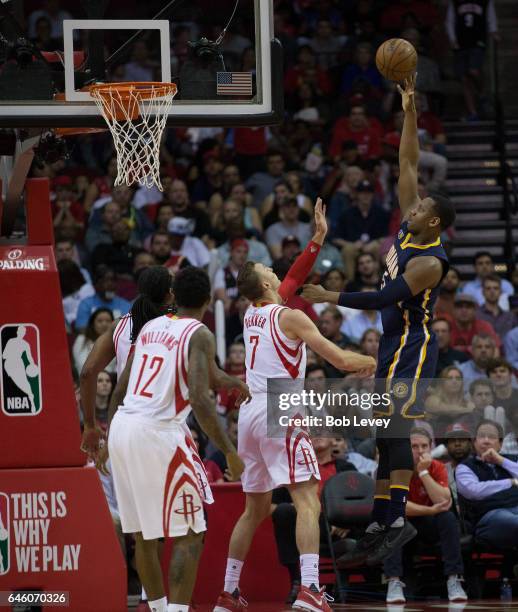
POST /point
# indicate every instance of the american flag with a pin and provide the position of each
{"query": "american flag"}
(234, 84)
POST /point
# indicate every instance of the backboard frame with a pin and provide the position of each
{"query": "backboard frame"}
(78, 111)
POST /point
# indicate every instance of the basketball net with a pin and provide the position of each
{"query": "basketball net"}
(136, 114)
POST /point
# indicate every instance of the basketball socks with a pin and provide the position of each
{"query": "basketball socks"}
(380, 511)
(398, 497)
(172, 607)
(309, 570)
(158, 605)
(232, 575)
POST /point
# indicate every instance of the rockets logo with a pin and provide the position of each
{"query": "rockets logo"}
(20, 369)
(4, 534)
(308, 459)
(188, 508)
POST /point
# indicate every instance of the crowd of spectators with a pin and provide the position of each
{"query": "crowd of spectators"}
(248, 193)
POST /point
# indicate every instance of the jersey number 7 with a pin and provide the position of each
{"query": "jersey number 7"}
(255, 341)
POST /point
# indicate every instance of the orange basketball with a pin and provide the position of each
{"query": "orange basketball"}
(396, 59)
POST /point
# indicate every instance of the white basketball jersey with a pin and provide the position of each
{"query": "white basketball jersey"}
(157, 386)
(122, 342)
(269, 353)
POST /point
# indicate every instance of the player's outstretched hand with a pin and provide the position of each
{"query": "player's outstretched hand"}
(320, 222)
(407, 93)
(244, 395)
(235, 466)
(90, 441)
(314, 294)
(102, 459)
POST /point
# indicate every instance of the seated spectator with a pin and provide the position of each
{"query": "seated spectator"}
(99, 322)
(511, 347)
(220, 213)
(306, 70)
(104, 297)
(284, 514)
(326, 45)
(164, 214)
(65, 203)
(342, 449)
(294, 181)
(178, 197)
(234, 322)
(141, 67)
(54, 13)
(257, 251)
(363, 69)
(210, 180)
(448, 356)
(502, 321)
(446, 403)
(367, 273)
(340, 185)
(218, 456)
(500, 374)
(484, 265)
(482, 395)
(102, 398)
(465, 324)
(428, 509)
(510, 443)
(232, 212)
(261, 184)
(120, 253)
(127, 287)
(74, 288)
(487, 483)
(271, 205)
(183, 244)
(356, 325)
(67, 249)
(361, 228)
(160, 246)
(448, 290)
(330, 323)
(214, 474)
(101, 186)
(356, 127)
(224, 284)
(482, 350)
(230, 176)
(289, 225)
(370, 342)
(235, 366)
(123, 195)
(100, 233)
(459, 447)
(328, 259)
(334, 280)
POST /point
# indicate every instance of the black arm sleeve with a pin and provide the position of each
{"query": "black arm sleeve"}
(396, 291)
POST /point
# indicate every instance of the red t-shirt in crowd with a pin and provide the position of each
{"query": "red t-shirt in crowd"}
(417, 492)
(327, 471)
(461, 338)
(368, 139)
(250, 140)
(213, 472)
(227, 398)
(431, 123)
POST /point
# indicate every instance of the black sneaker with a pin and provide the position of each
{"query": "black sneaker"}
(292, 595)
(395, 537)
(366, 545)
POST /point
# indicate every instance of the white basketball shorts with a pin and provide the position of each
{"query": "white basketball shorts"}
(154, 476)
(272, 462)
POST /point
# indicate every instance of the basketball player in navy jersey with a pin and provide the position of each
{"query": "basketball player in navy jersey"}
(408, 351)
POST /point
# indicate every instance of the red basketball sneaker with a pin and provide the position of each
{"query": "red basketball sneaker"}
(230, 602)
(312, 599)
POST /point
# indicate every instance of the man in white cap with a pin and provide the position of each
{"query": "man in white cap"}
(186, 245)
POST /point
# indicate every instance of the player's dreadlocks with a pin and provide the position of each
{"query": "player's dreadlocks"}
(154, 284)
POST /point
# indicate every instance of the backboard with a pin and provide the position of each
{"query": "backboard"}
(221, 54)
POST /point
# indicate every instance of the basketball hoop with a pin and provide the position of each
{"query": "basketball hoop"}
(136, 114)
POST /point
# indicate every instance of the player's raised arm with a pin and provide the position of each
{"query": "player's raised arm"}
(302, 266)
(202, 351)
(297, 323)
(408, 149)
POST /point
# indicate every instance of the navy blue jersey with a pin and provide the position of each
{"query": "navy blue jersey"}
(411, 315)
(408, 351)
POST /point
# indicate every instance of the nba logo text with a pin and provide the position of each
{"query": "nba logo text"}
(20, 369)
